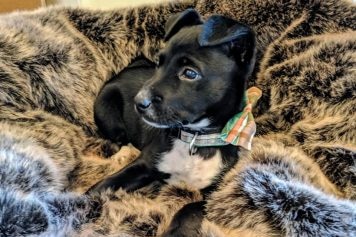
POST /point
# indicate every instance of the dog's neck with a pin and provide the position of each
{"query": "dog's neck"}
(198, 140)
(199, 136)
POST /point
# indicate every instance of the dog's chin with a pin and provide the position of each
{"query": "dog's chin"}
(198, 125)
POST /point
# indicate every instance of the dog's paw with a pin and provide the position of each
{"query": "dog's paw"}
(126, 154)
(101, 147)
(187, 222)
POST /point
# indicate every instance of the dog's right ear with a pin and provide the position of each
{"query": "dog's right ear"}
(176, 22)
(238, 37)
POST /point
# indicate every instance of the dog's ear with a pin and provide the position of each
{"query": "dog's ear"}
(176, 22)
(238, 38)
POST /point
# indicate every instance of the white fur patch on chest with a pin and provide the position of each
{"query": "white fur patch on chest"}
(193, 170)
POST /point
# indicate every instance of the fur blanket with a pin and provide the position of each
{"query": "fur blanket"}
(298, 180)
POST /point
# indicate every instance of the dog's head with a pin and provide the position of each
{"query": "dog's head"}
(201, 74)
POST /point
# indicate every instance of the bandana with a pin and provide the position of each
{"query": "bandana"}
(241, 128)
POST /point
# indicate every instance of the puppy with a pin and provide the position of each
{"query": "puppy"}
(197, 85)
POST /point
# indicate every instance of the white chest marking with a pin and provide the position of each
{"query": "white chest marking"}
(193, 170)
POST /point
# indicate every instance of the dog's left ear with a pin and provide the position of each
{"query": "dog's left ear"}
(176, 22)
(237, 37)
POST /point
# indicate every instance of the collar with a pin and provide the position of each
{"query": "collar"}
(238, 131)
(196, 140)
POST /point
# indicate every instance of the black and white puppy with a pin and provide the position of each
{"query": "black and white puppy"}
(196, 87)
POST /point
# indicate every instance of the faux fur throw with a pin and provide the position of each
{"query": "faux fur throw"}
(299, 179)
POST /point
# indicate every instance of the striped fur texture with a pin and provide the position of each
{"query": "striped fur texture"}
(298, 180)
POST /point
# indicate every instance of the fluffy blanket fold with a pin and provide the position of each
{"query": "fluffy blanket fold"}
(298, 179)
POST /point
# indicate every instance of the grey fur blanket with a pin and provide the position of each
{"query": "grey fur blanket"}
(298, 180)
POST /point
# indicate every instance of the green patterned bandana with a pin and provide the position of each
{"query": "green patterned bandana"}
(241, 128)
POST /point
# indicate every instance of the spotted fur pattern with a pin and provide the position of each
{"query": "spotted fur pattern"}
(298, 180)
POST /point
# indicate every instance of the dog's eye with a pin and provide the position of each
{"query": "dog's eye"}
(189, 74)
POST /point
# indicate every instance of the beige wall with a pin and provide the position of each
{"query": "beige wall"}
(13, 5)
(115, 3)
(103, 4)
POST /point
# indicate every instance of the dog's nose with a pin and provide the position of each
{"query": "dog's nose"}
(143, 104)
(145, 99)
(142, 100)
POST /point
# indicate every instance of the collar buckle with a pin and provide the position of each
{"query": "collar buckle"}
(192, 148)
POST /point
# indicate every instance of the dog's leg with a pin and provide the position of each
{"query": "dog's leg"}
(139, 173)
(136, 175)
(187, 221)
(102, 168)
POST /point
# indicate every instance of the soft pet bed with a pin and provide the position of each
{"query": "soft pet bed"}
(298, 180)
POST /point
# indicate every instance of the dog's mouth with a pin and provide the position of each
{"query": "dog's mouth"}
(196, 124)
(156, 124)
